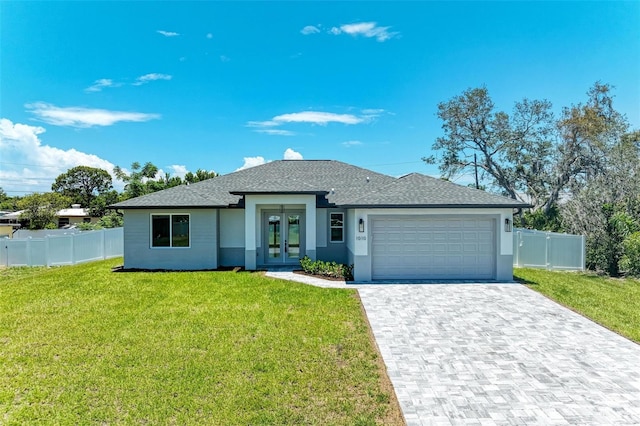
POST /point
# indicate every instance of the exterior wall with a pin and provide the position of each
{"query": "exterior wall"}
(6, 231)
(202, 253)
(328, 250)
(231, 231)
(359, 244)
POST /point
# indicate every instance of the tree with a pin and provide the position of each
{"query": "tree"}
(607, 209)
(41, 209)
(199, 176)
(85, 185)
(135, 181)
(513, 152)
(588, 132)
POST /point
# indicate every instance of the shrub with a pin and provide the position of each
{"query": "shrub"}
(630, 261)
(327, 269)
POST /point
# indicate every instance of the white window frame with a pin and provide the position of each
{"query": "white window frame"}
(331, 227)
(170, 246)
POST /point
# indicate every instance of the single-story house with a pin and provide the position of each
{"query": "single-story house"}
(411, 227)
(66, 217)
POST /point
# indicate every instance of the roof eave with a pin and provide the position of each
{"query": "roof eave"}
(433, 206)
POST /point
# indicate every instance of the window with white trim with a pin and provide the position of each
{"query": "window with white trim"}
(336, 227)
(170, 230)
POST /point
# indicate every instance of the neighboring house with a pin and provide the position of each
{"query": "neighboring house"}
(65, 217)
(412, 227)
(75, 215)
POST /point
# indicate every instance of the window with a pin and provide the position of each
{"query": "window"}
(86, 220)
(169, 230)
(63, 221)
(337, 227)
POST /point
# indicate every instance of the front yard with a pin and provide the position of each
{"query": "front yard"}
(612, 302)
(82, 344)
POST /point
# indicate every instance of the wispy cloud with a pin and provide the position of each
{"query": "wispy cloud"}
(209, 35)
(100, 84)
(365, 29)
(279, 132)
(144, 79)
(224, 58)
(319, 118)
(310, 29)
(349, 144)
(168, 33)
(290, 154)
(84, 117)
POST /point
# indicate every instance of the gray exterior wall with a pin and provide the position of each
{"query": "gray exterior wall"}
(326, 250)
(231, 241)
(202, 253)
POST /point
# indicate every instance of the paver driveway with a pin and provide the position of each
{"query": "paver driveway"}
(500, 354)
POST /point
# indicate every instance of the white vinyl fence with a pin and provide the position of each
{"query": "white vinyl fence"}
(548, 250)
(67, 248)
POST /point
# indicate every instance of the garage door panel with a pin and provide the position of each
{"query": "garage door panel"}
(410, 247)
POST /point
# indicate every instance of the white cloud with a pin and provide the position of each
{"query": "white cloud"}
(290, 154)
(98, 85)
(30, 166)
(317, 117)
(84, 117)
(251, 162)
(310, 29)
(365, 29)
(349, 144)
(143, 79)
(167, 33)
(224, 58)
(313, 117)
(279, 132)
(178, 170)
(209, 35)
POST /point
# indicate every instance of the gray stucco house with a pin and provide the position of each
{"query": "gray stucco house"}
(412, 227)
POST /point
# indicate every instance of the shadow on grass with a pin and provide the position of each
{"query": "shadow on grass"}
(524, 281)
(236, 269)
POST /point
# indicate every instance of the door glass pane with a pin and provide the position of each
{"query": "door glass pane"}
(274, 237)
(293, 232)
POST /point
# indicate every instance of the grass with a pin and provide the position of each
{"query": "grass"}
(612, 302)
(84, 345)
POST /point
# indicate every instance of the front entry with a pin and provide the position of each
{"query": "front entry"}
(283, 237)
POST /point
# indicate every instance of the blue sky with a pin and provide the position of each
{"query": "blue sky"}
(225, 85)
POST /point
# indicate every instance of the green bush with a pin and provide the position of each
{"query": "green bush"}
(327, 269)
(630, 261)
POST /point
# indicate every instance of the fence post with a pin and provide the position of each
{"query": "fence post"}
(103, 242)
(73, 251)
(546, 251)
(584, 252)
(46, 251)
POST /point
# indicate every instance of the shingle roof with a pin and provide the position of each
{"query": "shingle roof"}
(343, 184)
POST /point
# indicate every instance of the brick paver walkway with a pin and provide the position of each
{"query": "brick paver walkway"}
(500, 354)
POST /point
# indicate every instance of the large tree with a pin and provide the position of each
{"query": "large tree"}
(511, 152)
(40, 210)
(528, 155)
(84, 185)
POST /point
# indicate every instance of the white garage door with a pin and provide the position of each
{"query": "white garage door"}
(416, 247)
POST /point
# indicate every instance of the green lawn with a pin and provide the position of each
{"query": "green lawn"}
(614, 303)
(84, 345)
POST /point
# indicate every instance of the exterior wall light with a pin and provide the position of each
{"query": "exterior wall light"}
(361, 225)
(507, 225)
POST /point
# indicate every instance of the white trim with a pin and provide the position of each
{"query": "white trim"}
(170, 214)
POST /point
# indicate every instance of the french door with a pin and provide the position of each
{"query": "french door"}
(283, 237)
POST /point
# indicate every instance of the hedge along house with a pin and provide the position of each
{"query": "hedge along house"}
(412, 227)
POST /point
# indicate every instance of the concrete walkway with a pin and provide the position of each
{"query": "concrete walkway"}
(498, 354)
